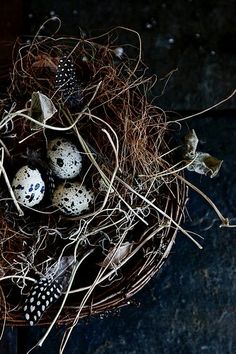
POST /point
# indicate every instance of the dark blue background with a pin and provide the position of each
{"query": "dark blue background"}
(190, 307)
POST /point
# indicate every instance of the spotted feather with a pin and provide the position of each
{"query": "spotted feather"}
(47, 290)
(67, 82)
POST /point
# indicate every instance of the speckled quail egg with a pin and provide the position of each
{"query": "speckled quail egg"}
(64, 158)
(28, 186)
(72, 198)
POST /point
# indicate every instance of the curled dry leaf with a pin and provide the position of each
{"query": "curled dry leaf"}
(41, 109)
(190, 142)
(205, 164)
(201, 162)
(116, 255)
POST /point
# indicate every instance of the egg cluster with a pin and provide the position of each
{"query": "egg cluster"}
(64, 163)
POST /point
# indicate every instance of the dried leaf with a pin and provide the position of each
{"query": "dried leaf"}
(190, 144)
(205, 164)
(116, 255)
(48, 289)
(42, 108)
(200, 162)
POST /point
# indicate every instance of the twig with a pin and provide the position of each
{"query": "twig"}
(225, 221)
(205, 110)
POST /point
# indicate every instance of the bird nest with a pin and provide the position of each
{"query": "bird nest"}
(57, 267)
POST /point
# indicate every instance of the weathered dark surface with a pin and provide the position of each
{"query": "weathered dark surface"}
(190, 308)
(8, 344)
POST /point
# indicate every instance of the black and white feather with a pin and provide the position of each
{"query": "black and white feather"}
(67, 82)
(48, 289)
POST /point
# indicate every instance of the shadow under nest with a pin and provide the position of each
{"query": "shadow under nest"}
(125, 237)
